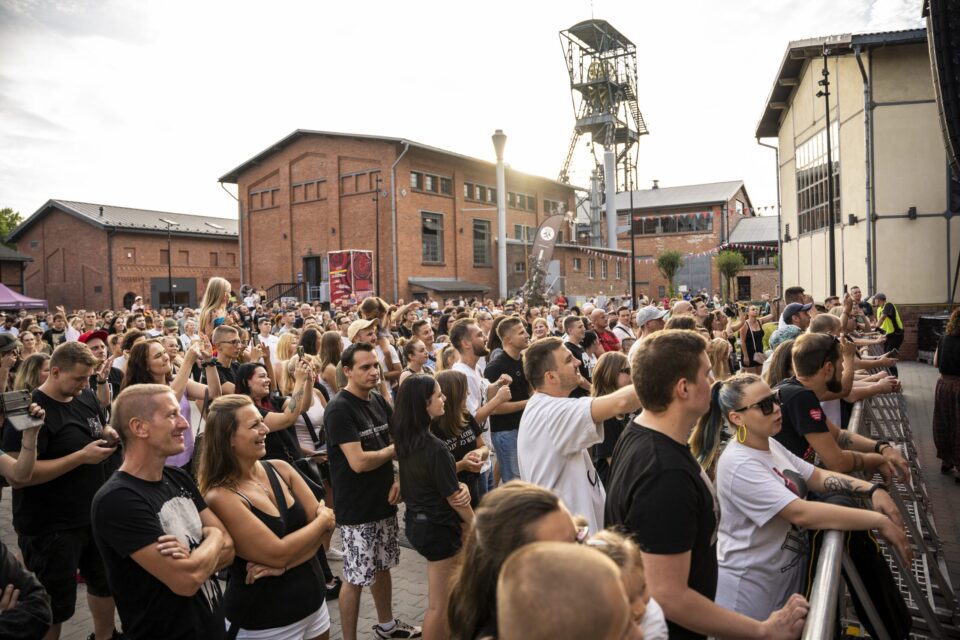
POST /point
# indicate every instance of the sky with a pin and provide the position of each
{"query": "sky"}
(145, 104)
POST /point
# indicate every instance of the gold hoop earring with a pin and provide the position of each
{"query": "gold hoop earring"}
(742, 433)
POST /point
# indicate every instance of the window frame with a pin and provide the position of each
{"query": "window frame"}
(438, 218)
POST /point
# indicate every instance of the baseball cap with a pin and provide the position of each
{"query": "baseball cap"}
(359, 325)
(90, 335)
(648, 313)
(170, 323)
(794, 308)
(8, 342)
(880, 296)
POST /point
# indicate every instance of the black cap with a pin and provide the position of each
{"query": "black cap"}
(8, 342)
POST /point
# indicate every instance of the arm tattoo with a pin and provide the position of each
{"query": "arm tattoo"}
(844, 440)
(840, 484)
(294, 401)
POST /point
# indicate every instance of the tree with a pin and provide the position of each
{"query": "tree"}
(729, 264)
(668, 263)
(9, 219)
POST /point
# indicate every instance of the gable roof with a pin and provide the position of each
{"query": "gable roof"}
(665, 197)
(9, 255)
(233, 175)
(127, 219)
(756, 229)
(800, 52)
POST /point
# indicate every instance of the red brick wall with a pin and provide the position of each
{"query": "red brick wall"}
(910, 315)
(10, 274)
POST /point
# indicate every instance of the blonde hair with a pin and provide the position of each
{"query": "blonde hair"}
(28, 374)
(287, 345)
(718, 350)
(212, 302)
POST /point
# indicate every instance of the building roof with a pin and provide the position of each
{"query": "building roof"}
(140, 220)
(755, 230)
(448, 285)
(9, 255)
(233, 175)
(666, 197)
(800, 52)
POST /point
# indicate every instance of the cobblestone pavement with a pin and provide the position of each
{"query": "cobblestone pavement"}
(409, 579)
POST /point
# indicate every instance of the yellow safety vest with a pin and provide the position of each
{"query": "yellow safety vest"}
(887, 326)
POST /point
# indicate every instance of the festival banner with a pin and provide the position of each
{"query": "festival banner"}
(546, 240)
(351, 276)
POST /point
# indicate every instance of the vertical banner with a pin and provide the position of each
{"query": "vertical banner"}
(341, 285)
(546, 240)
(361, 268)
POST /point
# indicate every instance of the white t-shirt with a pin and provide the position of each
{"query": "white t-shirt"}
(553, 452)
(271, 342)
(477, 387)
(760, 555)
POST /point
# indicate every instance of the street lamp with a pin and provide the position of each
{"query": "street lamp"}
(499, 141)
(169, 223)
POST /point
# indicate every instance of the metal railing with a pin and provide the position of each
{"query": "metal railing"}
(924, 585)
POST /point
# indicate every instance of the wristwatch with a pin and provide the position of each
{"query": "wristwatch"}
(212, 362)
(878, 448)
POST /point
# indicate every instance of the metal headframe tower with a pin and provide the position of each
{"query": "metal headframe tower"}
(602, 64)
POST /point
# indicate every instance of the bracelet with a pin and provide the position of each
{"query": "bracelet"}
(212, 362)
(873, 489)
(878, 448)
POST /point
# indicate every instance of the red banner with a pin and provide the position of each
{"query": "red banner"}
(351, 276)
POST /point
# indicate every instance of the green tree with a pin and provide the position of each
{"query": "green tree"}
(9, 219)
(668, 263)
(729, 264)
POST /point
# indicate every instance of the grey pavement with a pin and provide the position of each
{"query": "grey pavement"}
(410, 578)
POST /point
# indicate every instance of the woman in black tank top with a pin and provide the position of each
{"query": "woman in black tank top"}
(751, 342)
(276, 524)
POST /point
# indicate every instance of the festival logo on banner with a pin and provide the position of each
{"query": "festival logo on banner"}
(351, 276)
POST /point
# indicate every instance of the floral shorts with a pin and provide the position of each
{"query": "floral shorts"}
(369, 548)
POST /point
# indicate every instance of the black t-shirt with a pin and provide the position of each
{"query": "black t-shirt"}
(64, 502)
(461, 445)
(802, 414)
(867, 309)
(662, 498)
(577, 351)
(891, 312)
(114, 379)
(129, 514)
(428, 476)
(54, 338)
(227, 374)
(948, 356)
(519, 389)
(361, 497)
(281, 444)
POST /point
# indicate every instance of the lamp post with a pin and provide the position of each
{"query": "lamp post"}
(169, 223)
(499, 141)
(831, 207)
(376, 231)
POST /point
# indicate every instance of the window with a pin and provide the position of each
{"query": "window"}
(231, 259)
(532, 203)
(431, 234)
(552, 207)
(468, 191)
(309, 190)
(481, 193)
(416, 180)
(183, 257)
(446, 186)
(698, 222)
(591, 268)
(264, 199)
(661, 291)
(518, 267)
(492, 194)
(603, 269)
(521, 201)
(511, 199)
(812, 180)
(531, 234)
(164, 256)
(743, 288)
(98, 289)
(481, 244)
(430, 183)
(34, 244)
(739, 208)
(518, 231)
(576, 264)
(619, 270)
(214, 259)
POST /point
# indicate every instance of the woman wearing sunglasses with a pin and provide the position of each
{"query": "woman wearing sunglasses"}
(611, 373)
(761, 488)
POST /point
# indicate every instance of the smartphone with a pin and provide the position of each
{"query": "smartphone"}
(256, 339)
(844, 288)
(300, 352)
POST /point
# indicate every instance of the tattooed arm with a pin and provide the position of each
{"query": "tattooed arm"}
(823, 480)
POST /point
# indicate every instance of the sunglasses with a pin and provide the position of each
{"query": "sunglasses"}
(765, 405)
(831, 352)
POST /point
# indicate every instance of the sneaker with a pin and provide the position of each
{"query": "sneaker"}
(333, 553)
(334, 592)
(400, 630)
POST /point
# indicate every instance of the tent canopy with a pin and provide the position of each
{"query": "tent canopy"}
(10, 299)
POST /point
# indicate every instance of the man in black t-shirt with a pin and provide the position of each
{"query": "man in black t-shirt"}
(52, 513)
(160, 543)
(574, 333)
(665, 501)
(361, 471)
(505, 420)
(56, 334)
(228, 344)
(106, 379)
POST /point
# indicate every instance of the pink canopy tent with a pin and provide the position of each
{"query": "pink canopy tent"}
(12, 300)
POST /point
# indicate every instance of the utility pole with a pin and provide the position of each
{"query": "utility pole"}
(169, 223)
(831, 207)
(376, 242)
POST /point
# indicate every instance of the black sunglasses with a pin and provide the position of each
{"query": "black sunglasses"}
(765, 405)
(831, 353)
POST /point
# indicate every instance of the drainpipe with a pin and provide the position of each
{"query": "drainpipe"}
(393, 219)
(779, 224)
(239, 230)
(110, 278)
(868, 149)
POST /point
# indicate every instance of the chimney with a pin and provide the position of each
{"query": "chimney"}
(101, 211)
(656, 184)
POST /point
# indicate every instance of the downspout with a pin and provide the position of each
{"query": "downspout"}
(779, 223)
(113, 302)
(239, 229)
(868, 155)
(393, 219)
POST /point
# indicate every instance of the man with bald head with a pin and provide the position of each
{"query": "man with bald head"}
(542, 573)
(601, 325)
(681, 308)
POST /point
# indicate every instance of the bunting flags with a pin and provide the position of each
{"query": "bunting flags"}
(593, 253)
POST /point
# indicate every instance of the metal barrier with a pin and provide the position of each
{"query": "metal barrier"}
(925, 584)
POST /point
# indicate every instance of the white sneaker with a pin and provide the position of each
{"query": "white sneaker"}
(334, 553)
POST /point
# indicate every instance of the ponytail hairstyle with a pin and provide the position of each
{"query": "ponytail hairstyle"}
(725, 396)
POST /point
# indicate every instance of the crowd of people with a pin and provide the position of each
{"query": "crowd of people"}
(650, 473)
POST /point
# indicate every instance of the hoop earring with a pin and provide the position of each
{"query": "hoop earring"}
(742, 433)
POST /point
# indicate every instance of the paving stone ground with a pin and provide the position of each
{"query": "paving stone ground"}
(409, 579)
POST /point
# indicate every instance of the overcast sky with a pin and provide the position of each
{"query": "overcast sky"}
(146, 104)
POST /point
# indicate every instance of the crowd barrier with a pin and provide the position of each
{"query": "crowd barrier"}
(924, 584)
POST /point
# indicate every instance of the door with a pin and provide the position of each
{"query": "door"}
(743, 288)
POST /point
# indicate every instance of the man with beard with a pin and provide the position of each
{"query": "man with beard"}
(818, 362)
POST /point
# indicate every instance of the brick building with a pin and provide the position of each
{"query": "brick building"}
(696, 220)
(91, 256)
(755, 238)
(12, 266)
(315, 191)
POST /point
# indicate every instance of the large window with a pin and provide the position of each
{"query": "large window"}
(591, 268)
(481, 243)
(431, 234)
(656, 225)
(812, 180)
